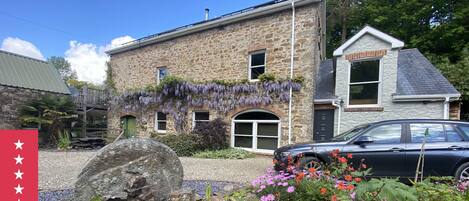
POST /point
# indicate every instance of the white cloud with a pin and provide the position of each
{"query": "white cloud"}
(22, 47)
(89, 60)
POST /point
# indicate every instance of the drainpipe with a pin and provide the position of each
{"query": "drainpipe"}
(292, 53)
(339, 107)
(446, 108)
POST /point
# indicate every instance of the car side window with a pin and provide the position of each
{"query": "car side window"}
(386, 134)
(452, 134)
(436, 133)
(465, 130)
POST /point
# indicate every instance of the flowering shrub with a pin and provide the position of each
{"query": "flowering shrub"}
(336, 181)
(174, 96)
(340, 181)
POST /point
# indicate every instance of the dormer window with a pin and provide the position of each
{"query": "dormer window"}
(161, 73)
(256, 65)
(365, 82)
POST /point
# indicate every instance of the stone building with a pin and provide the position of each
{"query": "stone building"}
(23, 79)
(274, 38)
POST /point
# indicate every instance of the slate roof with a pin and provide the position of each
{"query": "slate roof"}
(415, 76)
(25, 72)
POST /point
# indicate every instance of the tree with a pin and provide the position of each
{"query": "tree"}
(80, 84)
(341, 16)
(109, 82)
(62, 65)
(49, 113)
(457, 74)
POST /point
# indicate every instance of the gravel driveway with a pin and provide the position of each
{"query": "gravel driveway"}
(58, 170)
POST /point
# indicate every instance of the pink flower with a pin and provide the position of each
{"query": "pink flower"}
(268, 197)
(290, 189)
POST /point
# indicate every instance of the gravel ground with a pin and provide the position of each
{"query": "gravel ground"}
(240, 171)
(199, 186)
(58, 170)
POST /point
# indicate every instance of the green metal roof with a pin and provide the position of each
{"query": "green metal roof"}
(25, 72)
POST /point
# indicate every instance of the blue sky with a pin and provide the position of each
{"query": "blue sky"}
(51, 25)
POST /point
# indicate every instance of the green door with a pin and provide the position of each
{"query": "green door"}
(129, 125)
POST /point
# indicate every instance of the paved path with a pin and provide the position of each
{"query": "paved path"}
(58, 170)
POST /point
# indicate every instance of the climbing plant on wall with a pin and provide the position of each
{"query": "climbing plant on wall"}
(174, 96)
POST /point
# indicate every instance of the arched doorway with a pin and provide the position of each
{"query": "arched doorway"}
(256, 130)
(129, 125)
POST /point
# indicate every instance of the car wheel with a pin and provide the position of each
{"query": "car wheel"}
(311, 162)
(462, 174)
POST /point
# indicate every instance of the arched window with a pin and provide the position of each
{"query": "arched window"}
(256, 131)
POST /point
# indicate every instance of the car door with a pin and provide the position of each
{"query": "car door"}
(384, 155)
(443, 150)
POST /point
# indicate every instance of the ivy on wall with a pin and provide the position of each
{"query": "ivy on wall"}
(175, 96)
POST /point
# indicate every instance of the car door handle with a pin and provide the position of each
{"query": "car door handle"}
(396, 149)
(454, 147)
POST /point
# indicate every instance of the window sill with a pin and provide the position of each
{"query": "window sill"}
(161, 131)
(363, 109)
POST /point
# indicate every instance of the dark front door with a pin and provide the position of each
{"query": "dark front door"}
(323, 125)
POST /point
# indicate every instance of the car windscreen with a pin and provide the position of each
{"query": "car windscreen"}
(350, 133)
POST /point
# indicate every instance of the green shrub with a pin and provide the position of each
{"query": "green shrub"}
(63, 143)
(230, 153)
(211, 135)
(182, 144)
(385, 189)
(428, 190)
(265, 77)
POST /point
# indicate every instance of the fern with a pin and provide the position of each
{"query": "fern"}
(385, 189)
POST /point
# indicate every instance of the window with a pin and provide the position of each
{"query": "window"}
(199, 118)
(465, 130)
(387, 134)
(161, 73)
(160, 122)
(436, 133)
(452, 134)
(256, 65)
(256, 130)
(364, 82)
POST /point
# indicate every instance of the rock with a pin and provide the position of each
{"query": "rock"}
(228, 188)
(133, 170)
(183, 195)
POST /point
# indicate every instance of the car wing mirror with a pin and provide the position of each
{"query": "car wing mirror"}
(363, 140)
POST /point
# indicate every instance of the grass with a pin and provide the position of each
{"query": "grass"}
(230, 153)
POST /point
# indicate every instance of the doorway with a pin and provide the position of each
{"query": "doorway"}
(323, 125)
(129, 126)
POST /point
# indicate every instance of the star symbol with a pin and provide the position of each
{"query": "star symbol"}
(19, 145)
(19, 189)
(19, 174)
(19, 160)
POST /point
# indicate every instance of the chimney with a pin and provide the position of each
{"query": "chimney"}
(206, 14)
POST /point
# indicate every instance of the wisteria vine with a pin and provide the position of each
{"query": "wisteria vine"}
(174, 97)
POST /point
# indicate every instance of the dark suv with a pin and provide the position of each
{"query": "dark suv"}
(392, 148)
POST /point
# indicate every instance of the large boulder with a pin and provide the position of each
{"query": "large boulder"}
(133, 170)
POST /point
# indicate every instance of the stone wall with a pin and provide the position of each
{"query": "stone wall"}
(223, 54)
(11, 99)
(387, 109)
